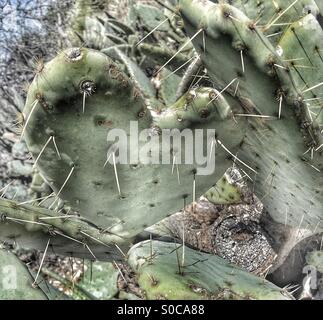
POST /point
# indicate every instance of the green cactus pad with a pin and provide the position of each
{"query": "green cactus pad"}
(138, 76)
(168, 87)
(200, 105)
(302, 47)
(30, 227)
(286, 178)
(273, 17)
(74, 165)
(162, 275)
(151, 17)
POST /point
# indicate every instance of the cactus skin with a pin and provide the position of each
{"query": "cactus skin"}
(275, 148)
(302, 45)
(169, 84)
(320, 6)
(150, 17)
(19, 281)
(161, 55)
(193, 109)
(138, 76)
(203, 276)
(266, 12)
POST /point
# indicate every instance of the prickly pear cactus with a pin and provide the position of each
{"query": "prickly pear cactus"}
(87, 101)
(255, 92)
(273, 17)
(170, 271)
(301, 45)
(82, 94)
(276, 126)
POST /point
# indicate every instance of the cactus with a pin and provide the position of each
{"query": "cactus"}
(276, 128)
(85, 25)
(169, 82)
(92, 78)
(138, 76)
(31, 226)
(100, 280)
(301, 45)
(228, 190)
(169, 271)
(263, 106)
(274, 17)
(61, 114)
(150, 17)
